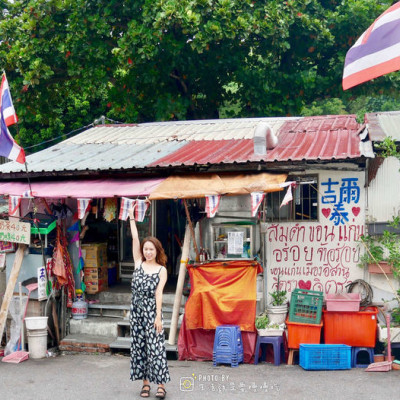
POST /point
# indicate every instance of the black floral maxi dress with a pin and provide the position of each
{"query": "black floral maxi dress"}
(148, 355)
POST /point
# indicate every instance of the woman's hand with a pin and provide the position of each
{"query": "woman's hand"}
(158, 324)
(130, 213)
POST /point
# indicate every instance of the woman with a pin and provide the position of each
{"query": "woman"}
(148, 355)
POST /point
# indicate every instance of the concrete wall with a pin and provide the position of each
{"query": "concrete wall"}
(322, 254)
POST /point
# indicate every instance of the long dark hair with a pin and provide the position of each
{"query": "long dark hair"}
(161, 257)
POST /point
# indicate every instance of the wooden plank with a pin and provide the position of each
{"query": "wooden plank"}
(12, 280)
(179, 287)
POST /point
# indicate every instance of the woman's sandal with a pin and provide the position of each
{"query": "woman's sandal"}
(145, 392)
(161, 393)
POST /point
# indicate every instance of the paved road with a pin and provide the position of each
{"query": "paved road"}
(98, 377)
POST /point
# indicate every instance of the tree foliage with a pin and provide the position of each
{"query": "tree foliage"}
(70, 61)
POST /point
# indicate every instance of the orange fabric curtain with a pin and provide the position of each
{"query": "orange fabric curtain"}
(223, 293)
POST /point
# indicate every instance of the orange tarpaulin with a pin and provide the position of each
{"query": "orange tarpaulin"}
(200, 185)
(223, 293)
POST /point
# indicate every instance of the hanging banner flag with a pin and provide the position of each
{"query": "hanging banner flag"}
(256, 199)
(13, 205)
(376, 52)
(83, 207)
(8, 147)
(141, 207)
(212, 204)
(288, 197)
(126, 205)
(28, 194)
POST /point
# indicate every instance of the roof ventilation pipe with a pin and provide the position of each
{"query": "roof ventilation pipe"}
(264, 139)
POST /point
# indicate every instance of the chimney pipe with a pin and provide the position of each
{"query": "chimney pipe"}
(264, 139)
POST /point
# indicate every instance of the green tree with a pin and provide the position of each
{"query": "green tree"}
(70, 61)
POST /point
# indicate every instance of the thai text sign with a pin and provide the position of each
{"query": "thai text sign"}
(15, 231)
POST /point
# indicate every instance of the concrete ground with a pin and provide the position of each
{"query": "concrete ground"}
(98, 377)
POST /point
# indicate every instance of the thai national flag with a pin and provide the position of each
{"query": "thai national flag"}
(212, 204)
(126, 205)
(141, 207)
(8, 147)
(376, 52)
(13, 205)
(83, 206)
(256, 199)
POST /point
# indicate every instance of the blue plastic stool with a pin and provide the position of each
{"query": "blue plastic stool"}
(354, 354)
(228, 345)
(277, 344)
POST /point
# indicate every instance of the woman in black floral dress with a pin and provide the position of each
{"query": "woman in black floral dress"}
(148, 355)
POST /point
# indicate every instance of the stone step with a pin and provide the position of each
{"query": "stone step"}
(108, 310)
(104, 326)
(115, 297)
(124, 343)
(85, 343)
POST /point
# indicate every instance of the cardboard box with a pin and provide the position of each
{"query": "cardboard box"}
(94, 264)
(95, 286)
(95, 273)
(95, 251)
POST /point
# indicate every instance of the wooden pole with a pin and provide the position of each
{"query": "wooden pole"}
(55, 321)
(12, 280)
(192, 231)
(179, 287)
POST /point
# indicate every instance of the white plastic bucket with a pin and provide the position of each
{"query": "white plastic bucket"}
(37, 343)
(36, 323)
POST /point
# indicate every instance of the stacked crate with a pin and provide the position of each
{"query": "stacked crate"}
(304, 323)
(95, 269)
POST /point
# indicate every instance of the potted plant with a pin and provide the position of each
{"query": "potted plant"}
(262, 322)
(278, 307)
(267, 328)
(382, 253)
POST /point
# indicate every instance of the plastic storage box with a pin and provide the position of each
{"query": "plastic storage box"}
(356, 329)
(325, 356)
(45, 223)
(343, 302)
(299, 333)
(306, 306)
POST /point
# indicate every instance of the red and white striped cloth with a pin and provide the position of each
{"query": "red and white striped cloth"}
(377, 50)
(288, 196)
(83, 206)
(139, 212)
(27, 194)
(13, 205)
(126, 205)
(256, 200)
(141, 207)
(212, 204)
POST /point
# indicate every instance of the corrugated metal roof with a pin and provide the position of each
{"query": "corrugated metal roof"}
(156, 132)
(312, 138)
(116, 147)
(92, 157)
(383, 124)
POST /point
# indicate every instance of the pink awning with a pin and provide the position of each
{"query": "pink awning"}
(93, 188)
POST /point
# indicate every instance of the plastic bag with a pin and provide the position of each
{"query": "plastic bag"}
(16, 324)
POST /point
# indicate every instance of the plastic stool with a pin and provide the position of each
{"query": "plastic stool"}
(354, 354)
(277, 344)
(228, 345)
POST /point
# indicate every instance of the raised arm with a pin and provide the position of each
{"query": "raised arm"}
(137, 254)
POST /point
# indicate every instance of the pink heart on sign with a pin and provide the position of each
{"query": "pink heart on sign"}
(356, 211)
(326, 212)
(304, 285)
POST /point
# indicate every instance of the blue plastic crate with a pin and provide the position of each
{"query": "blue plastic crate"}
(325, 356)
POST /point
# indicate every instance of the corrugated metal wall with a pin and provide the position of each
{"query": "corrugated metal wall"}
(384, 192)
